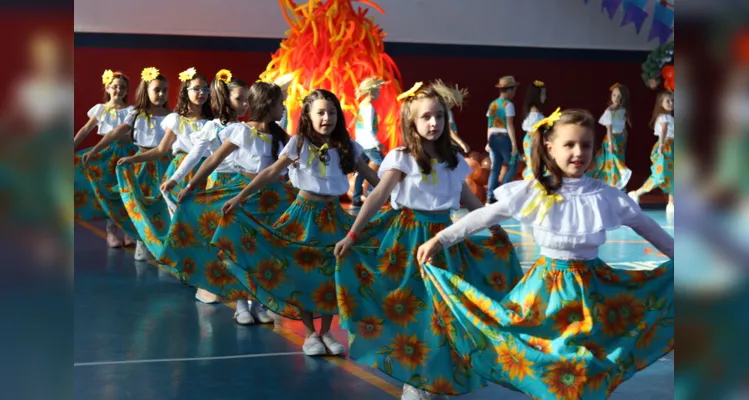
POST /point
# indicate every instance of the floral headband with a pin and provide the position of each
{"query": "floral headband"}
(149, 74)
(411, 92)
(224, 76)
(547, 123)
(188, 74)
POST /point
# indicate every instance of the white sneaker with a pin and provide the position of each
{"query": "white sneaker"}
(411, 393)
(206, 297)
(257, 311)
(242, 314)
(141, 252)
(333, 346)
(670, 208)
(633, 195)
(313, 346)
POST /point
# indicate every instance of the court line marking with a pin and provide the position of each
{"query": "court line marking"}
(162, 360)
(342, 362)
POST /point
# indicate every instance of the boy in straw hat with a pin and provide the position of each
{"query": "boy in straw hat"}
(366, 132)
(283, 81)
(502, 145)
(454, 96)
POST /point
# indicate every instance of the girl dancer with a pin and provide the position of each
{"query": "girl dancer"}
(662, 156)
(143, 128)
(609, 162)
(535, 97)
(148, 210)
(290, 267)
(573, 327)
(238, 153)
(104, 117)
(395, 325)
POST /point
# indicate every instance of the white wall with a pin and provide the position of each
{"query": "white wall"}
(542, 23)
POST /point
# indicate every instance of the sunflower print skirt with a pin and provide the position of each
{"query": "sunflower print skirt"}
(101, 170)
(568, 330)
(144, 201)
(527, 144)
(394, 323)
(610, 167)
(187, 252)
(290, 265)
(662, 171)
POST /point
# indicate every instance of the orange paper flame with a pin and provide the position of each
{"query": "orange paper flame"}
(330, 45)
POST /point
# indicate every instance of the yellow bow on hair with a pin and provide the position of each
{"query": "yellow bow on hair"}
(315, 153)
(544, 201)
(184, 121)
(411, 92)
(262, 136)
(548, 121)
(432, 175)
(108, 110)
(148, 118)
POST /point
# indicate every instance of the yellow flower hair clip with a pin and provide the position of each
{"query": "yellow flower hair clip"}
(547, 122)
(224, 76)
(107, 77)
(411, 92)
(149, 74)
(188, 74)
(538, 84)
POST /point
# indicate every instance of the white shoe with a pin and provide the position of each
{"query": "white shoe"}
(206, 297)
(670, 208)
(141, 252)
(257, 311)
(634, 196)
(313, 346)
(334, 347)
(242, 314)
(411, 393)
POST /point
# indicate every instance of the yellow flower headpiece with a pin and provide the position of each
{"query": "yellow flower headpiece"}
(107, 77)
(224, 76)
(411, 92)
(538, 84)
(149, 74)
(547, 122)
(614, 86)
(188, 74)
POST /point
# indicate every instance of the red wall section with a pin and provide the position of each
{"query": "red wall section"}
(580, 83)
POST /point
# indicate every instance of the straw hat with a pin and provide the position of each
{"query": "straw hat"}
(284, 80)
(368, 85)
(454, 96)
(507, 82)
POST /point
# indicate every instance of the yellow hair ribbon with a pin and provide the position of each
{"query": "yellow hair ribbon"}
(315, 153)
(411, 92)
(432, 175)
(543, 202)
(548, 121)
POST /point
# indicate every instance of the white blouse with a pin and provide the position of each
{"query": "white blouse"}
(569, 225)
(308, 173)
(531, 119)
(207, 141)
(147, 129)
(658, 126)
(255, 152)
(617, 119)
(108, 117)
(182, 127)
(438, 191)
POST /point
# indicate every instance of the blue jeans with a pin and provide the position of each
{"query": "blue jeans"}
(376, 157)
(501, 152)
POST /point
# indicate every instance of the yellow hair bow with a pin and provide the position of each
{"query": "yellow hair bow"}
(411, 92)
(224, 76)
(149, 74)
(315, 153)
(548, 121)
(187, 74)
(538, 84)
(544, 202)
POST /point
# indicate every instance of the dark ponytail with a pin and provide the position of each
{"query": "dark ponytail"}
(220, 101)
(545, 168)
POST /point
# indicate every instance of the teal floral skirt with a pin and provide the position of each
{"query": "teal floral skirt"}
(290, 265)
(527, 143)
(144, 202)
(187, 252)
(395, 324)
(609, 166)
(568, 330)
(662, 170)
(97, 175)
